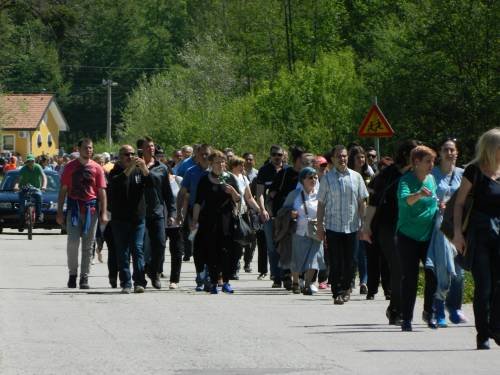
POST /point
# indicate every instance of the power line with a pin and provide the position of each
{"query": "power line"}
(100, 67)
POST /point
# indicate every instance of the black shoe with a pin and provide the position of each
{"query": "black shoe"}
(72, 281)
(363, 289)
(156, 283)
(84, 282)
(482, 344)
(307, 291)
(496, 337)
(370, 297)
(406, 326)
(287, 284)
(186, 259)
(276, 284)
(338, 300)
(113, 283)
(430, 319)
(247, 268)
(346, 297)
(393, 316)
(387, 297)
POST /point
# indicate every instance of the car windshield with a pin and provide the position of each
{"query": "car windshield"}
(10, 180)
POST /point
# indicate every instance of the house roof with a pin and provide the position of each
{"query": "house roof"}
(26, 111)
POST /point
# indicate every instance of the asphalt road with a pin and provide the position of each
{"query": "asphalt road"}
(47, 329)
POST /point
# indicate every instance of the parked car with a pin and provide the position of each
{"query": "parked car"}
(9, 202)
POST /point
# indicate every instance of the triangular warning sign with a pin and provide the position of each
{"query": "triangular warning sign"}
(375, 124)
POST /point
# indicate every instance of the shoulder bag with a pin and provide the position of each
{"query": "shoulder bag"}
(312, 224)
(447, 226)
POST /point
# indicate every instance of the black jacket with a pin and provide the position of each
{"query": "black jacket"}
(158, 192)
(126, 195)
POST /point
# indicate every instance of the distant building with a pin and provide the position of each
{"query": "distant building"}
(31, 124)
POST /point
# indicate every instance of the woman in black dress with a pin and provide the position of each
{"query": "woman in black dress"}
(216, 197)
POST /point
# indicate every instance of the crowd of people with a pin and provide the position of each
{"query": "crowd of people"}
(317, 221)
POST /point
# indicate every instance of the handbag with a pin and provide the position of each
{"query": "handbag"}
(312, 224)
(447, 226)
(242, 232)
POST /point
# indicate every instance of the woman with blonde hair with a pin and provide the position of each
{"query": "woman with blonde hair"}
(481, 249)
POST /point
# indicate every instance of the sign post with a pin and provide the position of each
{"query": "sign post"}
(375, 125)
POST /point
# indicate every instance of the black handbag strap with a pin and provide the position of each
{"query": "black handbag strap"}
(305, 205)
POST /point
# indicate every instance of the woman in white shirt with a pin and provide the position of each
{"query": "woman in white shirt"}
(236, 166)
(307, 251)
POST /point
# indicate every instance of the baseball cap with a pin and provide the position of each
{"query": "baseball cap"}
(320, 160)
(30, 157)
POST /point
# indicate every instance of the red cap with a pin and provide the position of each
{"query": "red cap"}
(320, 160)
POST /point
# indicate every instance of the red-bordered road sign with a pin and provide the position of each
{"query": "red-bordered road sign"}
(375, 124)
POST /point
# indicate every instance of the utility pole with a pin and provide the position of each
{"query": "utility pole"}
(377, 139)
(109, 83)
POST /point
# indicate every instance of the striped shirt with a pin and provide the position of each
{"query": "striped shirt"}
(341, 194)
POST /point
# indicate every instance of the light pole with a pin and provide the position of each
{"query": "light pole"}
(109, 83)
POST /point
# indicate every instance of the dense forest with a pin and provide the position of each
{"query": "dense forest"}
(248, 73)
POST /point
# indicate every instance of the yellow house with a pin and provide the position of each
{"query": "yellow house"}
(30, 124)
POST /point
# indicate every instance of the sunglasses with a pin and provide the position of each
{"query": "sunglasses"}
(275, 154)
(372, 156)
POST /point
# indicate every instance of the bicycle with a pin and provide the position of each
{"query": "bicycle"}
(29, 208)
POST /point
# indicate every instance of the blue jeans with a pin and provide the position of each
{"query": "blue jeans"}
(360, 262)
(456, 292)
(129, 240)
(273, 255)
(37, 197)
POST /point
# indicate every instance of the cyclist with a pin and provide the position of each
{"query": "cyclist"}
(31, 174)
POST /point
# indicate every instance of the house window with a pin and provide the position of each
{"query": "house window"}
(39, 140)
(8, 142)
(49, 140)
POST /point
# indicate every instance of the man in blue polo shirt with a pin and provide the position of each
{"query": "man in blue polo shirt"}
(185, 203)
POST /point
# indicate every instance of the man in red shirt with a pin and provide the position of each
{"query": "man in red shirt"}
(84, 184)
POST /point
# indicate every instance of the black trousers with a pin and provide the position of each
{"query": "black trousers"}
(185, 231)
(176, 248)
(341, 257)
(112, 259)
(156, 232)
(485, 248)
(215, 249)
(378, 269)
(411, 253)
(261, 252)
(385, 237)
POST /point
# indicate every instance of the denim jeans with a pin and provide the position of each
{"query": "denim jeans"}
(456, 292)
(37, 197)
(129, 240)
(273, 255)
(360, 262)
(156, 232)
(73, 244)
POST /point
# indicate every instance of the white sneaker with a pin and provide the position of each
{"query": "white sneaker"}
(313, 288)
(173, 286)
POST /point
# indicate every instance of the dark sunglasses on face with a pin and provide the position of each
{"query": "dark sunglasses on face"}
(372, 156)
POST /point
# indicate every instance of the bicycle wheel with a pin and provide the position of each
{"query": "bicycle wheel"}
(30, 222)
